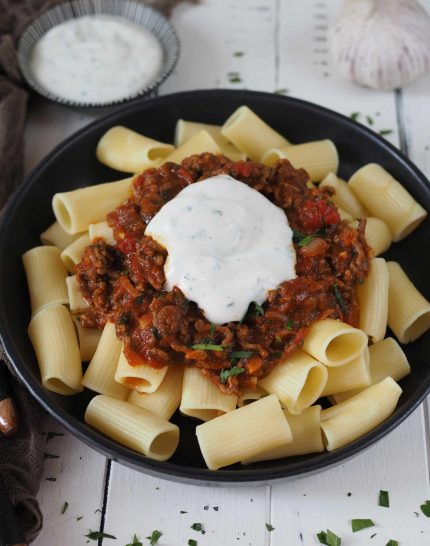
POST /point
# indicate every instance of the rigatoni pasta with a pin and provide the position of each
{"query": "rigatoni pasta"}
(55, 235)
(354, 375)
(133, 427)
(373, 300)
(385, 198)
(72, 254)
(377, 234)
(243, 433)
(344, 197)
(46, 277)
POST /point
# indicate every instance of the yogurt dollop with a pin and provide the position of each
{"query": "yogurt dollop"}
(96, 59)
(227, 246)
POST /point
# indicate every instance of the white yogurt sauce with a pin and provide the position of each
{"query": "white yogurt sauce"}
(96, 59)
(227, 246)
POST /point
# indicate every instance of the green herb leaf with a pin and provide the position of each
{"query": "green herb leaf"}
(207, 347)
(212, 334)
(374, 535)
(359, 524)
(306, 240)
(339, 299)
(124, 319)
(281, 91)
(153, 539)
(136, 541)
(369, 120)
(392, 542)
(384, 499)
(259, 311)
(197, 527)
(254, 309)
(269, 527)
(183, 512)
(240, 354)
(329, 538)
(354, 115)
(192, 542)
(298, 235)
(65, 506)
(138, 300)
(289, 324)
(95, 535)
(238, 54)
(425, 508)
(79, 518)
(384, 132)
(231, 372)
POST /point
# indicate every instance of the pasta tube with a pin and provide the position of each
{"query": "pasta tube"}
(72, 254)
(125, 150)
(408, 310)
(318, 158)
(56, 236)
(344, 197)
(247, 396)
(166, 399)
(250, 134)
(76, 301)
(385, 198)
(377, 235)
(100, 373)
(133, 427)
(89, 339)
(334, 343)
(243, 433)
(142, 377)
(202, 399)
(307, 438)
(76, 210)
(354, 375)
(373, 300)
(201, 142)
(297, 382)
(101, 230)
(355, 417)
(53, 337)
(46, 277)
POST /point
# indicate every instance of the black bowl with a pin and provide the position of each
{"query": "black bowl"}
(73, 164)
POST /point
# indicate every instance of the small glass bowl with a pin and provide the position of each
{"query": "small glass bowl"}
(133, 11)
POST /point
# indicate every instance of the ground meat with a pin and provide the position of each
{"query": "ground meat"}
(125, 283)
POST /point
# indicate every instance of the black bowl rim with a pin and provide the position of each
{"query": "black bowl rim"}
(165, 470)
(23, 60)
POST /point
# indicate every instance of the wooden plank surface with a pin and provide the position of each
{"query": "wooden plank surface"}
(264, 45)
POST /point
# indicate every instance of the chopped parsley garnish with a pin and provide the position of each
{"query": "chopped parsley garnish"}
(374, 535)
(298, 235)
(359, 524)
(354, 116)
(212, 334)
(192, 542)
(79, 518)
(306, 240)
(216, 508)
(392, 542)
(281, 91)
(238, 53)
(65, 506)
(234, 77)
(269, 527)
(153, 539)
(240, 354)
(348, 494)
(197, 527)
(370, 120)
(254, 309)
(136, 541)
(384, 499)
(225, 374)
(139, 299)
(124, 319)
(339, 299)
(425, 508)
(384, 132)
(95, 535)
(289, 325)
(329, 538)
(183, 512)
(207, 347)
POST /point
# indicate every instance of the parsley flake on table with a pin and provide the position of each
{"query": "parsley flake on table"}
(197, 527)
(425, 508)
(269, 527)
(392, 542)
(384, 499)
(136, 541)
(329, 538)
(95, 535)
(359, 524)
(230, 372)
(65, 506)
(192, 542)
(238, 53)
(153, 539)
(374, 535)
(354, 116)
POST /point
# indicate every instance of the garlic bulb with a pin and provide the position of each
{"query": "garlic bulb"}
(382, 44)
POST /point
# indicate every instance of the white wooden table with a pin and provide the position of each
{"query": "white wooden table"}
(264, 45)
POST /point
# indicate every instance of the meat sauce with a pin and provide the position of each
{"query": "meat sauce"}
(125, 283)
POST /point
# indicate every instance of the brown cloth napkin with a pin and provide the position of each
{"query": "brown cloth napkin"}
(21, 456)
